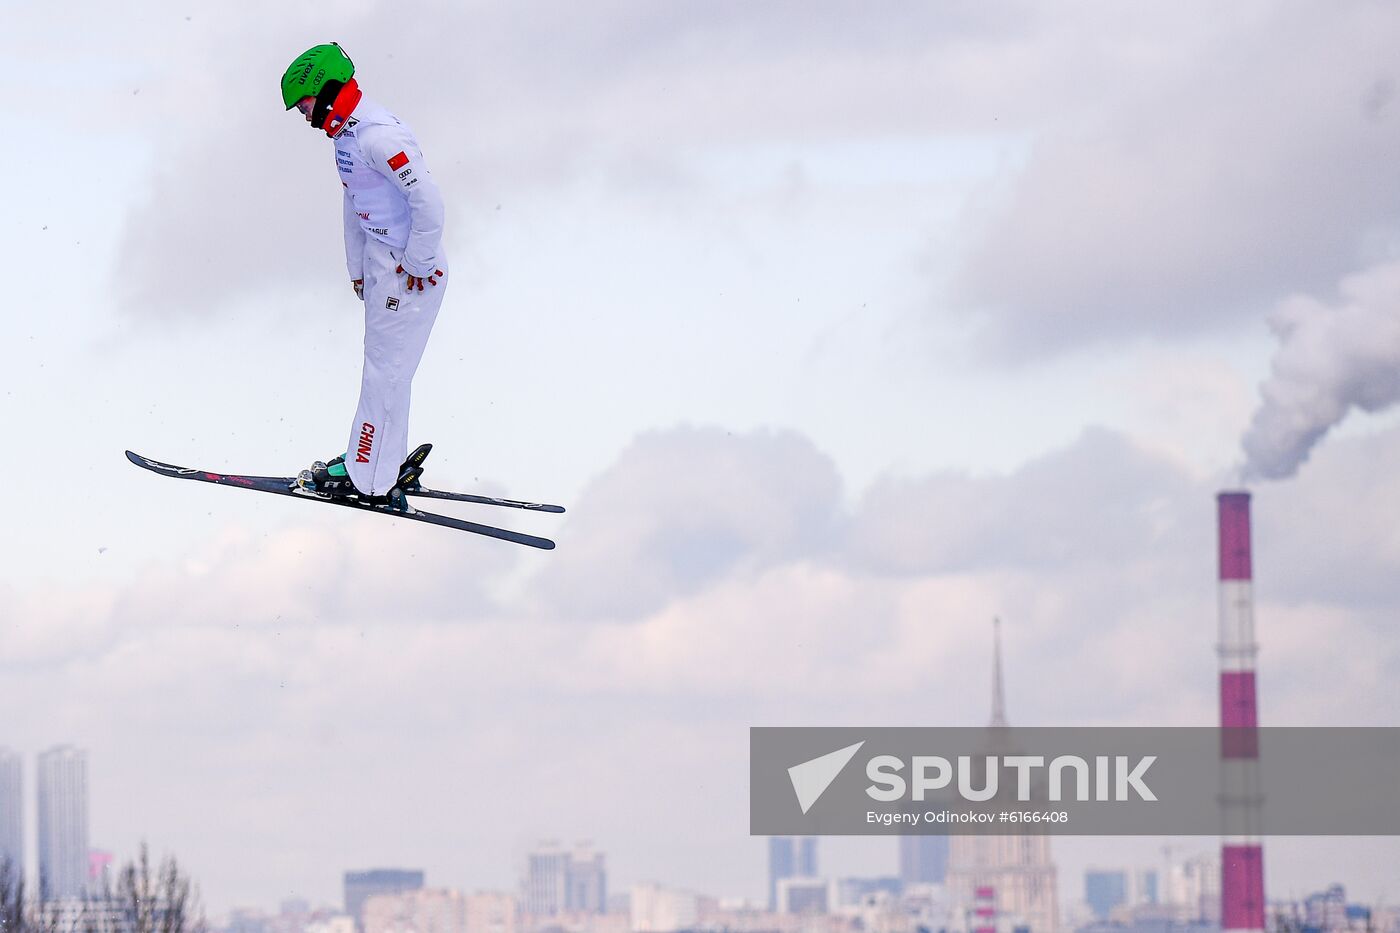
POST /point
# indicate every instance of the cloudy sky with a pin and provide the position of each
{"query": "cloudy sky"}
(840, 332)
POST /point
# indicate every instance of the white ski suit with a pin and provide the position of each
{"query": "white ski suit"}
(393, 216)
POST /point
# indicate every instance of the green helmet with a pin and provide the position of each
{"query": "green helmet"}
(313, 68)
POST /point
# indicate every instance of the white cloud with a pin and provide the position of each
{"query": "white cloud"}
(1037, 517)
(1187, 167)
(1331, 359)
(684, 508)
(291, 680)
(1217, 167)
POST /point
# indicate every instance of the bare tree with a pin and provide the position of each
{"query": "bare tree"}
(12, 914)
(151, 899)
(145, 899)
(20, 911)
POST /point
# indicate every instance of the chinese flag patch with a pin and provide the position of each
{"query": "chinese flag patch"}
(397, 162)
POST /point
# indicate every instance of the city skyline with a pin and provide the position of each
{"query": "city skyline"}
(1127, 896)
(563, 881)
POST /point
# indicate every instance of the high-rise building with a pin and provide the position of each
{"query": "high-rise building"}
(1143, 890)
(248, 920)
(322, 923)
(805, 895)
(546, 887)
(62, 791)
(654, 909)
(1194, 888)
(12, 812)
(362, 885)
(1105, 890)
(789, 857)
(1018, 870)
(559, 880)
(493, 912)
(1326, 910)
(588, 882)
(852, 892)
(923, 860)
(421, 910)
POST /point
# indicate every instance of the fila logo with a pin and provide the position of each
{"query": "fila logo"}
(366, 443)
(391, 304)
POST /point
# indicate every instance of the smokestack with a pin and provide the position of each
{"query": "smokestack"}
(1241, 855)
(984, 910)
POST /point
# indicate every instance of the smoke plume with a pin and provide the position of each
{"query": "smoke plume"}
(1331, 358)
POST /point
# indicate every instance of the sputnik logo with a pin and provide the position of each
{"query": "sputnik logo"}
(811, 778)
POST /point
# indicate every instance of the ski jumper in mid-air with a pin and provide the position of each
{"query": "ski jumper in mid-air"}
(393, 251)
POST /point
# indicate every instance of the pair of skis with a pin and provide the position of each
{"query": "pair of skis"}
(288, 486)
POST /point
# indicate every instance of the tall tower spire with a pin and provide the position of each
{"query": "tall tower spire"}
(998, 694)
(1004, 880)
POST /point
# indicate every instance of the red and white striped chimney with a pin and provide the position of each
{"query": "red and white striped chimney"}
(984, 910)
(1241, 855)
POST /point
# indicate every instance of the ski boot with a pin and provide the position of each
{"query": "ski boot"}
(332, 480)
(327, 479)
(396, 499)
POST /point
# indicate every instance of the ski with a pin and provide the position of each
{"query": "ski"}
(414, 466)
(427, 493)
(287, 486)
